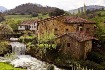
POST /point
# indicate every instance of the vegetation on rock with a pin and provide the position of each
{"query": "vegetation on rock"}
(4, 47)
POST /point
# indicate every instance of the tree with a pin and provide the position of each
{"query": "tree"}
(79, 11)
(13, 23)
(47, 39)
(84, 9)
(1, 17)
(34, 14)
(57, 12)
(46, 42)
(4, 31)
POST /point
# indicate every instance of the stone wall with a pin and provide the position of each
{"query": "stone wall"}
(59, 27)
(77, 50)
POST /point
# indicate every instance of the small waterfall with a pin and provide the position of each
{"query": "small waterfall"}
(18, 48)
(26, 61)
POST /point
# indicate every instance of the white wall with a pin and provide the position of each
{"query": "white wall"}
(21, 27)
(33, 26)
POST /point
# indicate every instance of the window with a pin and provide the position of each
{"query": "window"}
(20, 26)
(80, 28)
(67, 29)
(55, 29)
(68, 44)
(87, 29)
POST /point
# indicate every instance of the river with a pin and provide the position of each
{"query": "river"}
(26, 61)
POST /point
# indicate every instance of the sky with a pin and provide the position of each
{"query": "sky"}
(62, 4)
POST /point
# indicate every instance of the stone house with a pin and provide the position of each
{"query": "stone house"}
(74, 33)
(77, 45)
(65, 24)
(30, 25)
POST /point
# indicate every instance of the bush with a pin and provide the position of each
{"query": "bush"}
(57, 12)
(4, 47)
(91, 65)
(34, 14)
(26, 39)
(96, 57)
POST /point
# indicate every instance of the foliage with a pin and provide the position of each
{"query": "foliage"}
(91, 65)
(6, 66)
(47, 39)
(5, 29)
(34, 14)
(57, 12)
(4, 47)
(50, 67)
(14, 20)
(99, 18)
(96, 57)
(28, 38)
(10, 56)
(29, 8)
(1, 17)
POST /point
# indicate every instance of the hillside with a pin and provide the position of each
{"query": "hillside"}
(30, 8)
(90, 8)
(2, 9)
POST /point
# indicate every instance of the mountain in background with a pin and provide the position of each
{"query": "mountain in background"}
(30, 8)
(90, 8)
(3, 9)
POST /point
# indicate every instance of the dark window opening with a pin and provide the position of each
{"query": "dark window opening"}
(80, 24)
(80, 28)
(68, 44)
(20, 26)
(87, 29)
(67, 29)
(55, 29)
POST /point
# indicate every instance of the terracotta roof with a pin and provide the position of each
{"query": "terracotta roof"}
(79, 36)
(28, 22)
(71, 19)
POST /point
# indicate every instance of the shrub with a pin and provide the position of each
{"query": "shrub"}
(26, 39)
(4, 47)
(96, 57)
(34, 14)
(91, 65)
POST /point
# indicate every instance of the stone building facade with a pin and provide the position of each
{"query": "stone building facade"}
(77, 45)
(65, 24)
(74, 33)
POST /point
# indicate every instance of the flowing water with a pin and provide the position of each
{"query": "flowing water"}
(26, 61)
(18, 48)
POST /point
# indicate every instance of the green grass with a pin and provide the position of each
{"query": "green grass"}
(25, 17)
(19, 17)
(5, 66)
